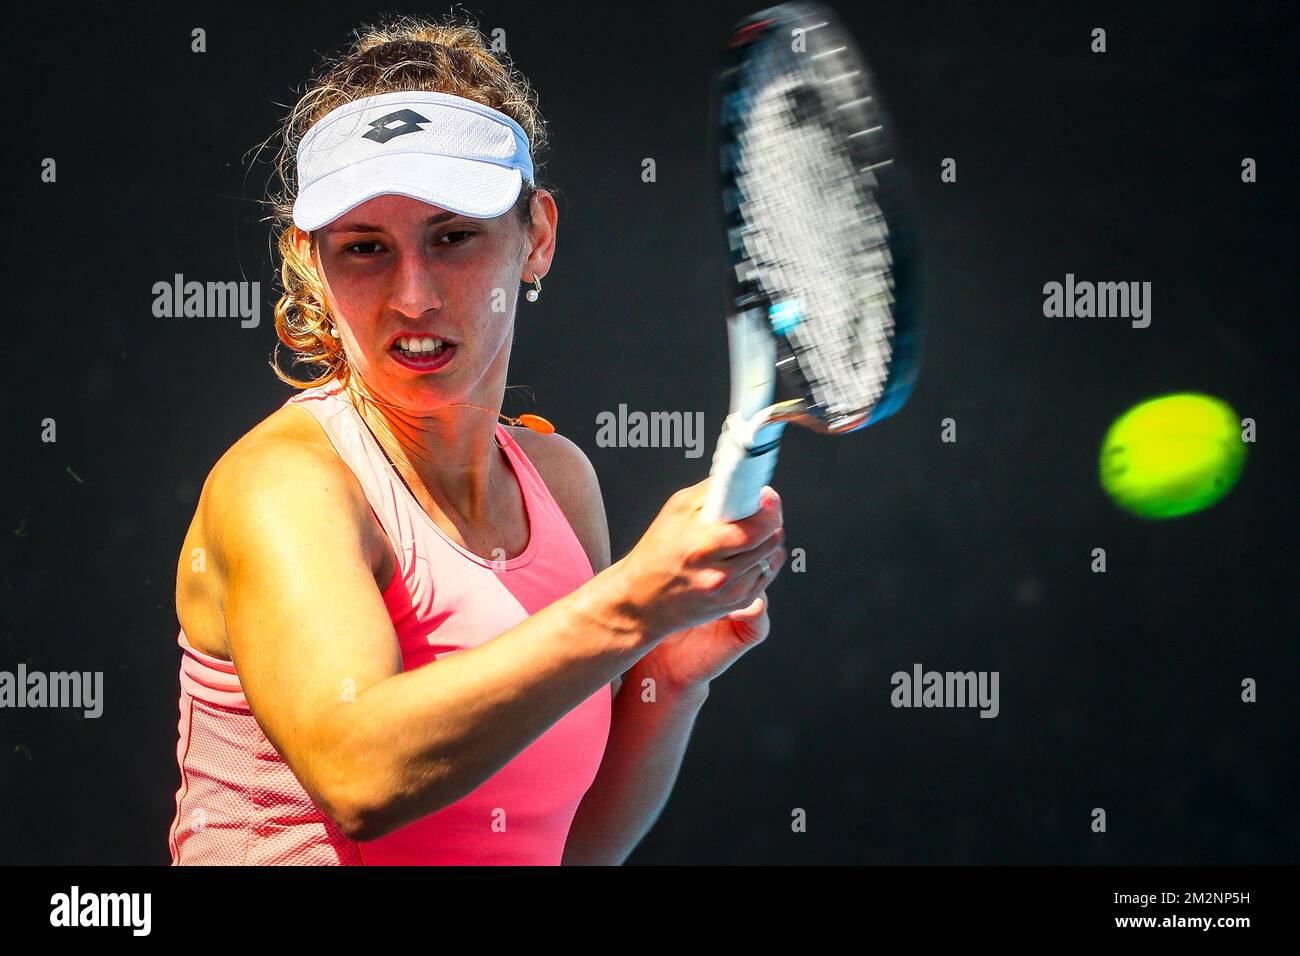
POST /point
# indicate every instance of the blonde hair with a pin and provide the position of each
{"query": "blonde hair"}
(400, 54)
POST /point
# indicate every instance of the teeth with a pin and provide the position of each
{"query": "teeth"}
(418, 346)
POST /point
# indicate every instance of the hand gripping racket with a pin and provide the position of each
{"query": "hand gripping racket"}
(822, 281)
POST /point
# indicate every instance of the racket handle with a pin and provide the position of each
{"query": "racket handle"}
(743, 463)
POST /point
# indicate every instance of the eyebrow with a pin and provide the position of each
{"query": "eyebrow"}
(364, 227)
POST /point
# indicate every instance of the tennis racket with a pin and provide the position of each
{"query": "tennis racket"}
(822, 281)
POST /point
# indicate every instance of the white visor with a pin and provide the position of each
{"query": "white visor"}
(441, 149)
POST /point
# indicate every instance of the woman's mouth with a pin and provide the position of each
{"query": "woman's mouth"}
(422, 354)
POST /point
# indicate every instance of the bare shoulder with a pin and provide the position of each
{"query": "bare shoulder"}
(274, 451)
(573, 483)
(282, 467)
(284, 462)
(565, 467)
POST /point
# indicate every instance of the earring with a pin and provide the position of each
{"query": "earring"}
(334, 331)
(532, 294)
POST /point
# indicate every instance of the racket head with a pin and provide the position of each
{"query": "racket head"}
(817, 214)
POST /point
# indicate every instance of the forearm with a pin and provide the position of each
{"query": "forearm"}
(644, 754)
(422, 739)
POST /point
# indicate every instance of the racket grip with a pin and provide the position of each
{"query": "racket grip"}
(743, 463)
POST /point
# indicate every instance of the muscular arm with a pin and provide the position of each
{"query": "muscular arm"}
(647, 739)
(374, 746)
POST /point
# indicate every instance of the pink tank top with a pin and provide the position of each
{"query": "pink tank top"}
(238, 801)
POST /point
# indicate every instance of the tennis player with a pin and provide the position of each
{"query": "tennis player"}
(403, 638)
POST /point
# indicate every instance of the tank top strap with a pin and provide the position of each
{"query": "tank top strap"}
(530, 479)
(548, 521)
(361, 453)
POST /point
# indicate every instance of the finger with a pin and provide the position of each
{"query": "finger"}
(770, 551)
(750, 624)
(752, 611)
(768, 500)
(737, 537)
(755, 579)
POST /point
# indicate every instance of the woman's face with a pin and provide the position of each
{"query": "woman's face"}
(395, 269)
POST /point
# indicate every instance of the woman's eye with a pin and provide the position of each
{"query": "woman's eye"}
(368, 250)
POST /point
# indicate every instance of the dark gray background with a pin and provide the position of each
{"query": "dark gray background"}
(1118, 690)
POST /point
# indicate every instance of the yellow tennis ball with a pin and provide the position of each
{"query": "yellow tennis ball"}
(1172, 455)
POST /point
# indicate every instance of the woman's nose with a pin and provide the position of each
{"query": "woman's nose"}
(417, 286)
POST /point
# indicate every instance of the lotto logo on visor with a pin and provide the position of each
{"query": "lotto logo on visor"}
(444, 150)
(408, 121)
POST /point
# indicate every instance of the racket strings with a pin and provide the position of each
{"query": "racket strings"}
(815, 238)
